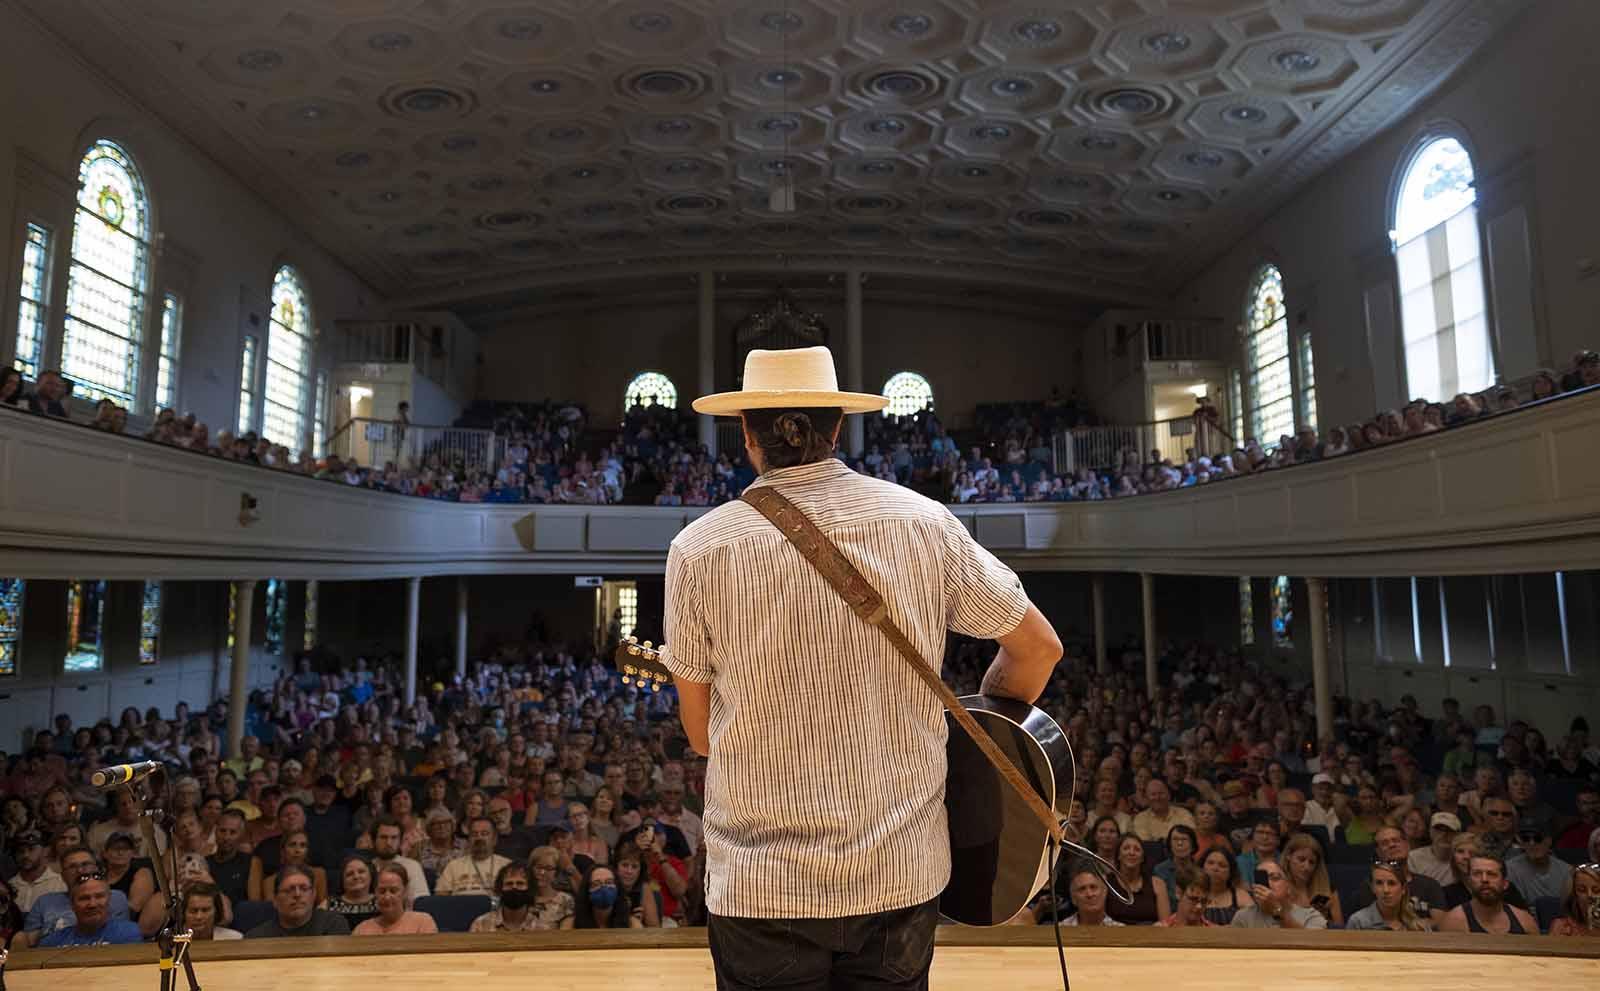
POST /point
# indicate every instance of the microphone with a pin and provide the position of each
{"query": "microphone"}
(125, 774)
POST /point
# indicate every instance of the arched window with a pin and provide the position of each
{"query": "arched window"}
(103, 343)
(908, 393)
(651, 389)
(11, 591)
(1446, 328)
(1271, 393)
(288, 358)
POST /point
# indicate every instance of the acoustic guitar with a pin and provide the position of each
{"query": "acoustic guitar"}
(999, 851)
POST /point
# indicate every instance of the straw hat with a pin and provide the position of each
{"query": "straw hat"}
(790, 378)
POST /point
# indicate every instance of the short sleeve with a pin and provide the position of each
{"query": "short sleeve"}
(687, 653)
(983, 598)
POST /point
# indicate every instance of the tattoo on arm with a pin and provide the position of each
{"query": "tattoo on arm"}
(994, 681)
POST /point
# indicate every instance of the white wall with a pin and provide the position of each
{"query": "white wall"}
(228, 241)
(1526, 105)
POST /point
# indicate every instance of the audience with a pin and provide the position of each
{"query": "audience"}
(1487, 911)
(395, 916)
(296, 912)
(92, 922)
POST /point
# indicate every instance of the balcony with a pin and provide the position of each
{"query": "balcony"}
(1519, 492)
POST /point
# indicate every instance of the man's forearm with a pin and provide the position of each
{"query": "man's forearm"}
(1003, 680)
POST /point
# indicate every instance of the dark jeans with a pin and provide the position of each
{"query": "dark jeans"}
(887, 951)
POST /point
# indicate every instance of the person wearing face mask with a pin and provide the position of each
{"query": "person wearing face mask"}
(601, 905)
(513, 896)
(395, 917)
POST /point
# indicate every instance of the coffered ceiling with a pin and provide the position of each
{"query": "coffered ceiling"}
(454, 149)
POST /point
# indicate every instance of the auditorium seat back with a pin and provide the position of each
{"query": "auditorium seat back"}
(247, 915)
(454, 913)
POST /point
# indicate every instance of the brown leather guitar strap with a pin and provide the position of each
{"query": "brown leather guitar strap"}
(865, 602)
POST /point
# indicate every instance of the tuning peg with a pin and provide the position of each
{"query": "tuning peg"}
(634, 651)
(647, 645)
(630, 638)
(626, 680)
(655, 686)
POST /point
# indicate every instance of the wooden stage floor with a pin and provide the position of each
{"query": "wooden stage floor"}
(967, 960)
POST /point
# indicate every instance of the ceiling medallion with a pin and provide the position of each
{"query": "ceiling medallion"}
(312, 112)
(777, 166)
(391, 196)
(486, 184)
(1244, 113)
(261, 60)
(1296, 62)
(1128, 102)
(782, 21)
(584, 172)
(780, 125)
(520, 29)
(1072, 181)
(428, 102)
(661, 83)
(975, 172)
(601, 210)
(1046, 218)
(679, 84)
(1166, 43)
(886, 125)
(901, 84)
(1012, 86)
(650, 22)
(868, 204)
(1036, 32)
(682, 166)
(991, 132)
(545, 85)
(1203, 159)
(1169, 196)
(674, 125)
(389, 42)
(910, 25)
(459, 144)
(877, 167)
(695, 203)
(1099, 142)
(780, 78)
(353, 160)
(507, 220)
(566, 133)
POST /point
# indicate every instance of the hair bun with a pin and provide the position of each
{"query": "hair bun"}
(794, 427)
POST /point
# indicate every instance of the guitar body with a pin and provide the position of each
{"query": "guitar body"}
(999, 853)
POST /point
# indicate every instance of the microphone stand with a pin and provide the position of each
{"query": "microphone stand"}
(173, 939)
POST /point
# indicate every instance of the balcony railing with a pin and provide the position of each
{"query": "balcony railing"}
(373, 443)
(1099, 448)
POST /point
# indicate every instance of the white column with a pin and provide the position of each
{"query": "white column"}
(244, 601)
(413, 602)
(1317, 592)
(461, 625)
(1098, 587)
(1147, 585)
(852, 355)
(708, 355)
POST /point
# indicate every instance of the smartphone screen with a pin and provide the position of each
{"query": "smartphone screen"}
(1260, 877)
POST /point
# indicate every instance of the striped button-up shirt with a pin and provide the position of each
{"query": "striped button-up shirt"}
(825, 788)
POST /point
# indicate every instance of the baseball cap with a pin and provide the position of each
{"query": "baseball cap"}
(123, 839)
(1321, 778)
(327, 781)
(1446, 819)
(1233, 789)
(1532, 826)
(27, 838)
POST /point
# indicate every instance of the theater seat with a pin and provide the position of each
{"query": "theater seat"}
(1350, 881)
(1346, 853)
(1546, 910)
(454, 913)
(248, 915)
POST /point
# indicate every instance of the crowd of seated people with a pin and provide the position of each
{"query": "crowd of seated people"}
(656, 457)
(539, 792)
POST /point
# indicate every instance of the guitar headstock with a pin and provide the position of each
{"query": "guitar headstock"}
(640, 664)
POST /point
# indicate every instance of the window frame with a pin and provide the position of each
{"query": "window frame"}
(1429, 134)
(306, 336)
(145, 263)
(1250, 374)
(168, 351)
(47, 247)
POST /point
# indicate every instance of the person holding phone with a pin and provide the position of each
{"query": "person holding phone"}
(1274, 908)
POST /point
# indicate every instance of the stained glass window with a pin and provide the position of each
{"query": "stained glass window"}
(1236, 399)
(150, 624)
(167, 368)
(11, 590)
(651, 389)
(319, 422)
(247, 385)
(33, 305)
(1247, 614)
(908, 393)
(277, 614)
(86, 613)
(309, 640)
(1282, 612)
(1308, 383)
(288, 363)
(1271, 399)
(1442, 311)
(104, 337)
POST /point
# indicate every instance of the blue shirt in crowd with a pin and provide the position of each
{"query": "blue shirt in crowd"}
(115, 931)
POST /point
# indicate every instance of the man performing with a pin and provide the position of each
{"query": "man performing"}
(824, 824)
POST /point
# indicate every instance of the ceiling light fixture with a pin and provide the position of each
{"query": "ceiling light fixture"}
(780, 193)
